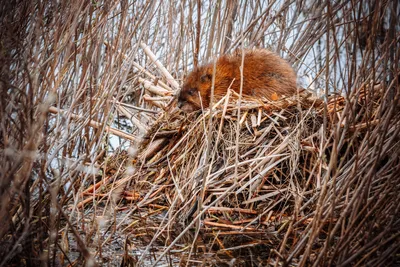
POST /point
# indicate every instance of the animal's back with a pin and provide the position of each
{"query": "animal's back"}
(264, 73)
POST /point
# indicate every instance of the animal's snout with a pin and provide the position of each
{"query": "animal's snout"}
(180, 103)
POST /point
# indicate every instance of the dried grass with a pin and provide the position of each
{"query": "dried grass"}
(98, 167)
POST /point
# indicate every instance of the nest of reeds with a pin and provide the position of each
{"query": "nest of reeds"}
(197, 154)
(241, 181)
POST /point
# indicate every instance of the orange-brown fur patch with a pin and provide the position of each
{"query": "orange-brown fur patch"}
(265, 74)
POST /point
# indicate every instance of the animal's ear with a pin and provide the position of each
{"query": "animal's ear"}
(205, 78)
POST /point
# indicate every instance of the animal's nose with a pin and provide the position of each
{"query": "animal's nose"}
(180, 104)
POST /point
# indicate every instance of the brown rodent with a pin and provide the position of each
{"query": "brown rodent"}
(265, 74)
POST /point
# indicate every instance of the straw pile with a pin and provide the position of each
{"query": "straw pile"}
(194, 184)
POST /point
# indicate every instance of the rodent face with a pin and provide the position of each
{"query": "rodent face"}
(189, 98)
(195, 91)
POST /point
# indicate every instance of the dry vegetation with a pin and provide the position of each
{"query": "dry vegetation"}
(98, 167)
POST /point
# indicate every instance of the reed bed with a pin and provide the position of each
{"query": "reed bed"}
(99, 167)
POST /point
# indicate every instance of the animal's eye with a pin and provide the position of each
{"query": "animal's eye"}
(205, 78)
(192, 91)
